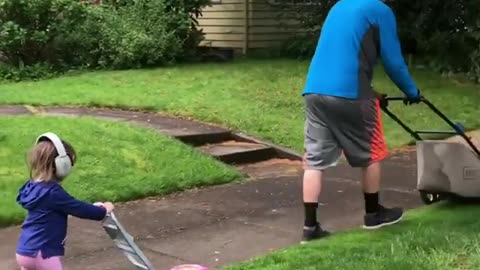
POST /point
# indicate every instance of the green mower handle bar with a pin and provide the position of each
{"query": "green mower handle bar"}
(416, 133)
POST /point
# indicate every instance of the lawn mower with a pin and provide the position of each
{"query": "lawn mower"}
(445, 168)
(125, 242)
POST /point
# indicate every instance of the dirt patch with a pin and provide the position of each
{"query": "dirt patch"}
(14, 110)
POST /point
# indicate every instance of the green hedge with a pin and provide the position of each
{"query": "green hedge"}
(40, 37)
(445, 32)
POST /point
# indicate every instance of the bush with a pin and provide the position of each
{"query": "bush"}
(300, 46)
(311, 17)
(144, 33)
(32, 72)
(118, 3)
(130, 37)
(446, 33)
(474, 57)
(58, 35)
(40, 31)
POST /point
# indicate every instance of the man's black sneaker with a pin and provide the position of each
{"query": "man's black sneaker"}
(313, 233)
(384, 217)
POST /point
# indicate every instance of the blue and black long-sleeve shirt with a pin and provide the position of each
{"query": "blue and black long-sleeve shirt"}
(354, 35)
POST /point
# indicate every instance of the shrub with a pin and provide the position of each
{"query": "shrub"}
(474, 57)
(32, 72)
(37, 32)
(59, 35)
(142, 34)
(446, 33)
(139, 33)
(311, 17)
(118, 3)
(301, 46)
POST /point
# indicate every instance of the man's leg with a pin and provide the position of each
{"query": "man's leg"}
(321, 151)
(371, 186)
(376, 215)
(367, 152)
(312, 187)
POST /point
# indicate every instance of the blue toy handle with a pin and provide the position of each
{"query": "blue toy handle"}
(458, 128)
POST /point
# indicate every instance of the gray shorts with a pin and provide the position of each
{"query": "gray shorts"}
(335, 125)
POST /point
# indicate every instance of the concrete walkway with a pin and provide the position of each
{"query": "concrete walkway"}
(226, 224)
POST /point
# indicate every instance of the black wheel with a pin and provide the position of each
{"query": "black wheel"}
(430, 198)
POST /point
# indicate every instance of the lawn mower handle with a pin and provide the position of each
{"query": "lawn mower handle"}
(457, 127)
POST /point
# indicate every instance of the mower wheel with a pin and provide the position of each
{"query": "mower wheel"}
(430, 198)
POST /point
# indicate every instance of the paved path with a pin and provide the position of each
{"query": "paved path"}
(223, 224)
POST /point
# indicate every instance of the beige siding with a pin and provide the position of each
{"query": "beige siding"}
(224, 24)
(228, 24)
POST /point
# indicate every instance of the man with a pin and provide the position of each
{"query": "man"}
(342, 110)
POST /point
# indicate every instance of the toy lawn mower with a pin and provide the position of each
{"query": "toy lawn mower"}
(445, 169)
(126, 244)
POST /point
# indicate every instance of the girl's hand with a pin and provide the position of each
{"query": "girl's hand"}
(109, 206)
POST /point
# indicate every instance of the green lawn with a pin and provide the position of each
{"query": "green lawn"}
(442, 237)
(116, 161)
(260, 97)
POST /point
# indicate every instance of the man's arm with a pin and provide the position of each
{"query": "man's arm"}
(391, 53)
(65, 203)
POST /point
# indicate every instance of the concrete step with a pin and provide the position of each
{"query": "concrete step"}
(275, 167)
(199, 139)
(235, 152)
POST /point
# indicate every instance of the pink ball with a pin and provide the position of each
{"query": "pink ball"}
(189, 267)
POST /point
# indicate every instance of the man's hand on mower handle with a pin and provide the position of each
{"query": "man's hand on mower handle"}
(409, 100)
(382, 98)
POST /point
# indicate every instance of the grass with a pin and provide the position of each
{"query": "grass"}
(441, 237)
(117, 162)
(260, 97)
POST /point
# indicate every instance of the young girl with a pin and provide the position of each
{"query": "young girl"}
(42, 240)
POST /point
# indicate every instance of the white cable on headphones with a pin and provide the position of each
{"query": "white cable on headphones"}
(63, 163)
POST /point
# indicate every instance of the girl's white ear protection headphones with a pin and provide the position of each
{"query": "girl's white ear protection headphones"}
(63, 163)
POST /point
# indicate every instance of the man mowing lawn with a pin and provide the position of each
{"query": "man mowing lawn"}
(343, 111)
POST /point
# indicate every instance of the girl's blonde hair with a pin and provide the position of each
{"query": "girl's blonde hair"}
(41, 160)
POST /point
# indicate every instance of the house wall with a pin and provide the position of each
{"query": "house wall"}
(266, 29)
(234, 24)
(224, 24)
